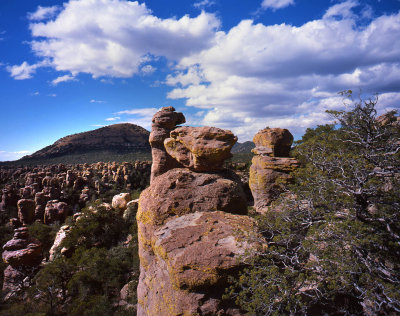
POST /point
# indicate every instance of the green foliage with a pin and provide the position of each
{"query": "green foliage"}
(45, 234)
(333, 242)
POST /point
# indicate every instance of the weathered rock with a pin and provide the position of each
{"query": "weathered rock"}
(56, 211)
(131, 210)
(182, 191)
(271, 168)
(194, 254)
(200, 148)
(163, 123)
(274, 142)
(26, 211)
(22, 250)
(190, 240)
(120, 201)
(61, 234)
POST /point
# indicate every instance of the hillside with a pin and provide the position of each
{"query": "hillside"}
(113, 142)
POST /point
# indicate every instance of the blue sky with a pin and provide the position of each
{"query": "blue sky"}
(72, 66)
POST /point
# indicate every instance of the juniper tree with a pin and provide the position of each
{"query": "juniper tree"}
(333, 239)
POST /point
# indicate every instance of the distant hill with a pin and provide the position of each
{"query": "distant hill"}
(245, 147)
(113, 142)
(117, 142)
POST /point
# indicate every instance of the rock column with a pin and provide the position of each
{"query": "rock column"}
(163, 123)
(192, 227)
(271, 166)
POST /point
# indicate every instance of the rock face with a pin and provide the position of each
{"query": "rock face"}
(200, 148)
(192, 230)
(163, 123)
(271, 167)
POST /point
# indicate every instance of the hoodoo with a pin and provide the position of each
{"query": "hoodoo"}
(271, 165)
(192, 225)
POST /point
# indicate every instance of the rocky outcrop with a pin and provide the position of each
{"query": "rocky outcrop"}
(200, 148)
(193, 229)
(61, 234)
(271, 167)
(22, 254)
(163, 123)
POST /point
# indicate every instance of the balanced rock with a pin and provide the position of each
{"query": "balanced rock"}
(22, 250)
(200, 148)
(192, 227)
(26, 211)
(271, 168)
(163, 123)
(274, 142)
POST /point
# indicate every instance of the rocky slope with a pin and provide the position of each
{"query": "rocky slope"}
(119, 138)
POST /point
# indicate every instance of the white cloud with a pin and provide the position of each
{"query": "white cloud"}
(115, 37)
(276, 4)
(43, 13)
(343, 10)
(12, 155)
(116, 118)
(141, 117)
(148, 69)
(64, 78)
(97, 101)
(204, 4)
(52, 95)
(287, 76)
(140, 112)
(24, 71)
(36, 93)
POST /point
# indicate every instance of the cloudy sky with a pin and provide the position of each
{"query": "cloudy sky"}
(68, 67)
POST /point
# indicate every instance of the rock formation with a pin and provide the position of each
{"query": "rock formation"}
(192, 226)
(271, 167)
(23, 254)
(200, 148)
(163, 123)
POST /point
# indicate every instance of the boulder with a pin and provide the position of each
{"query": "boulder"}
(182, 191)
(120, 201)
(26, 211)
(200, 148)
(274, 142)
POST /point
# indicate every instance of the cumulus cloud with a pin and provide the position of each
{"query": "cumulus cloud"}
(64, 78)
(287, 76)
(43, 13)
(115, 37)
(24, 71)
(276, 4)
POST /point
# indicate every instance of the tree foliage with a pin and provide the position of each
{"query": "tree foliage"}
(333, 239)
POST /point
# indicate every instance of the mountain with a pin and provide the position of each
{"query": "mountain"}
(110, 142)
